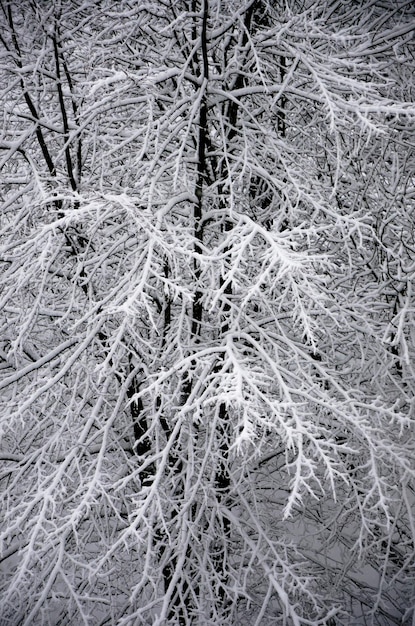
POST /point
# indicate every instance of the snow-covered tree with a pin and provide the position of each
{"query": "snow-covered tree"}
(207, 256)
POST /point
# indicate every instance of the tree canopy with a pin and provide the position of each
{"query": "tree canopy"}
(206, 358)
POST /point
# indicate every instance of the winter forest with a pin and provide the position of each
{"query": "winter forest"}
(207, 339)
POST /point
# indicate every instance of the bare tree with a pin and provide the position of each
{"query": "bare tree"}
(206, 353)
